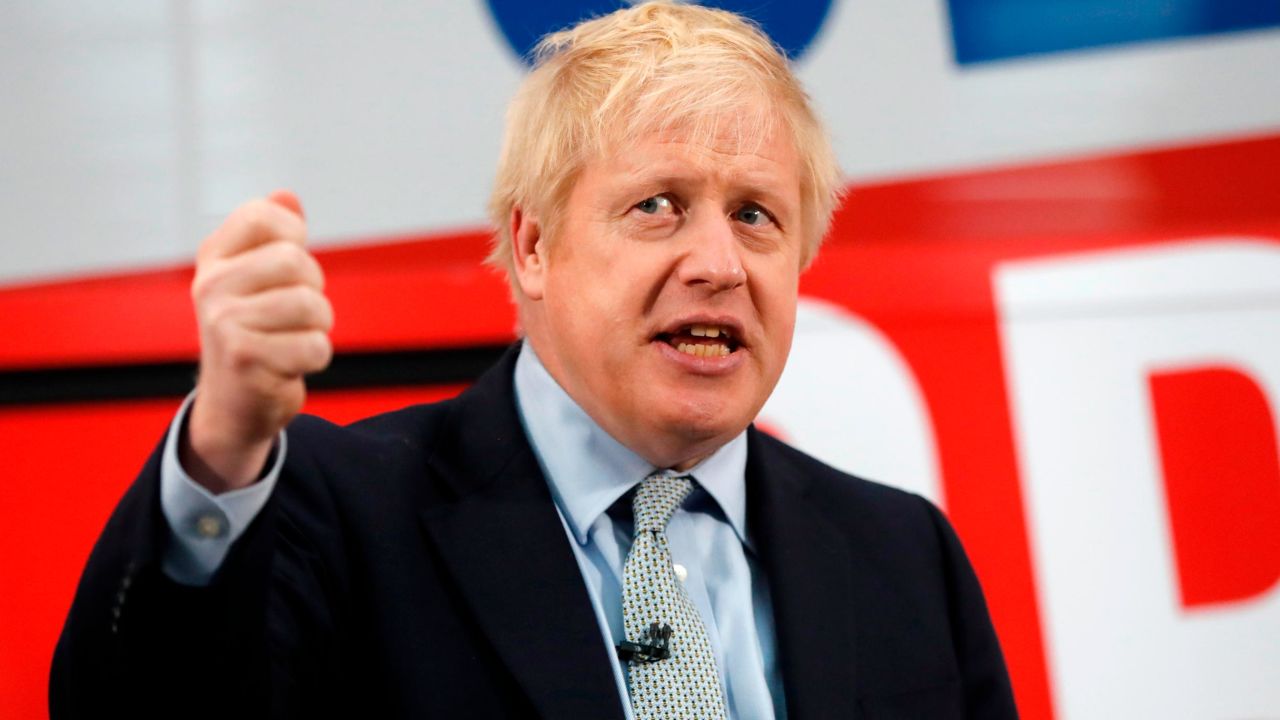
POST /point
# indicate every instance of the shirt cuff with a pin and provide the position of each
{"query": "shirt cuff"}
(203, 526)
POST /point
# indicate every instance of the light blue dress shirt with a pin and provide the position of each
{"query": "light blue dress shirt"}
(589, 473)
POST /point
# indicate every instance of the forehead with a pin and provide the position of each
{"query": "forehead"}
(729, 149)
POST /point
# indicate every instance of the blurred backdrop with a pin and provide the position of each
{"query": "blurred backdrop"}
(1051, 302)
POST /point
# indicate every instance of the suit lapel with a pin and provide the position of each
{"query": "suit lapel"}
(505, 545)
(808, 565)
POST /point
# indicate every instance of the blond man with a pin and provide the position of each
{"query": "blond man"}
(594, 529)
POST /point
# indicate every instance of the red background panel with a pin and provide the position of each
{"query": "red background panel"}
(399, 293)
(64, 468)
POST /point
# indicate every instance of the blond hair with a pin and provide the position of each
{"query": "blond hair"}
(651, 67)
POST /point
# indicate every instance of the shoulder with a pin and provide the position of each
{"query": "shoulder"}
(414, 427)
(419, 430)
(378, 464)
(880, 519)
(908, 574)
(844, 494)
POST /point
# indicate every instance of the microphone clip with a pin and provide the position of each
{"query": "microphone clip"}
(657, 648)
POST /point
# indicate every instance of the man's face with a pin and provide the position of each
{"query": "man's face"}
(666, 303)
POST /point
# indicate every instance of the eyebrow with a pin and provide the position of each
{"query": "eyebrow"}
(747, 184)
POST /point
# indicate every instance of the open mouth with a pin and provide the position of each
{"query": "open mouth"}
(709, 341)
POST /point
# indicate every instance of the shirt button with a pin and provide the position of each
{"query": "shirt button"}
(209, 526)
(681, 571)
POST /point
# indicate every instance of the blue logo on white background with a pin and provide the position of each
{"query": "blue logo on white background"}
(793, 24)
(987, 30)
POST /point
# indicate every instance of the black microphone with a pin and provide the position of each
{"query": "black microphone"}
(657, 648)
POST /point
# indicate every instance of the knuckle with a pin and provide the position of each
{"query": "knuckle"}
(312, 303)
(199, 287)
(207, 249)
(305, 297)
(290, 259)
(325, 311)
(313, 268)
(254, 215)
(214, 313)
(321, 350)
(287, 308)
(204, 286)
(302, 306)
(292, 226)
(240, 352)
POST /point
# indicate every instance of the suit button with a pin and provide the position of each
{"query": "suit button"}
(210, 526)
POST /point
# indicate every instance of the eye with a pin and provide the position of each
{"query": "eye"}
(655, 205)
(752, 214)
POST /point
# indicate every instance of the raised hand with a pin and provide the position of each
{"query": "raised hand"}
(264, 324)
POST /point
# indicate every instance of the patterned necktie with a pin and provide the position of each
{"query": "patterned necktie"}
(673, 671)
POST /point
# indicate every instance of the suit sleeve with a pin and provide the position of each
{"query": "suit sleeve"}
(988, 694)
(136, 643)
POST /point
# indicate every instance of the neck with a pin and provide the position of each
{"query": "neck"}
(690, 463)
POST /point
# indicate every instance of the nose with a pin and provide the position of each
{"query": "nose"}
(713, 258)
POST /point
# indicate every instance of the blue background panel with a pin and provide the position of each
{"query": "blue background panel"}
(792, 24)
(986, 30)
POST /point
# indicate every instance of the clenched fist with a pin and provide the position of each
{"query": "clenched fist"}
(264, 324)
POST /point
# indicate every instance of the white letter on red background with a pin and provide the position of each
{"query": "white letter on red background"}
(848, 398)
(1143, 384)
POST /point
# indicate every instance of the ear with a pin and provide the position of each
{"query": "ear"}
(528, 253)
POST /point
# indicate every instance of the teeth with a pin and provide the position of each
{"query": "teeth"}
(698, 331)
(711, 331)
(717, 350)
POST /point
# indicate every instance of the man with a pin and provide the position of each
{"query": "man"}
(594, 529)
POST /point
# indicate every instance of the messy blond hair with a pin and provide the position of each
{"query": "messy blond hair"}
(652, 67)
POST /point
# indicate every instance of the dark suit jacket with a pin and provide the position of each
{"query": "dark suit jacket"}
(413, 565)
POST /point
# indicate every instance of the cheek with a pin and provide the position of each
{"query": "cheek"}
(594, 274)
(776, 299)
(781, 330)
(591, 318)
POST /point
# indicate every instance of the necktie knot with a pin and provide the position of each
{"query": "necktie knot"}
(656, 501)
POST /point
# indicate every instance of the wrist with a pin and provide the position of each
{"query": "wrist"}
(216, 460)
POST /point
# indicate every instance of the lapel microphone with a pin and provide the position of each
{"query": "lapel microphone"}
(657, 648)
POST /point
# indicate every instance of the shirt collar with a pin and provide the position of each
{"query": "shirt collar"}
(588, 470)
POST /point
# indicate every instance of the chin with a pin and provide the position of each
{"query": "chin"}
(696, 421)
